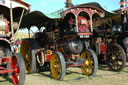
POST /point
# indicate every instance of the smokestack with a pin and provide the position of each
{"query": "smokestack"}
(123, 4)
(68, 3)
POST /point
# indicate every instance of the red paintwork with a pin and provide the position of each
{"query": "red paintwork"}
(4, 60)
(48, 55)
(75, 56)
(126, 41)
(90, 10)
(14, 69)
(84, 33)
(83, 24)
(49, 51)
(70, 65)
(71, 23)
(14, 65)
(4, 70)
(7, 26)
(102, 48)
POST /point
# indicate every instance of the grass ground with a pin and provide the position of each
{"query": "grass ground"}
(74, 76)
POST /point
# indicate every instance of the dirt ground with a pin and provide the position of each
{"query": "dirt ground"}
(74, 76)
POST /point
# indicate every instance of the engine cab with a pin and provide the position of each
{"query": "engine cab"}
(9, 8)
(79, 19)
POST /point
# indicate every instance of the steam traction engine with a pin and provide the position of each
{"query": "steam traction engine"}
(65, 42)
(110, 40)
(11, 63)
(123, 37)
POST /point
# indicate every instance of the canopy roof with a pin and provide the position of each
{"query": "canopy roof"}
(16, 5)
(108, 13)
(36, 17)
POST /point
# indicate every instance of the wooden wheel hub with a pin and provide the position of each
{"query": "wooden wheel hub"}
(87, 63)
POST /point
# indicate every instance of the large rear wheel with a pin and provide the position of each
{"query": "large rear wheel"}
(91, 62)
(58, 66)
(115, 57)
(17, 64)
(28, 50)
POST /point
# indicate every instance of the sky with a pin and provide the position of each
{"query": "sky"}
(48, 6)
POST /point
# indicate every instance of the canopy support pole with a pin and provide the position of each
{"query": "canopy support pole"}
(20, 20)
(28, 32)
(11, 18)
(91, 23)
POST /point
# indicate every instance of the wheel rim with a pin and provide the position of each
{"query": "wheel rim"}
(87, 69)
(27, 55)
(55, 66)
(114, 58)
(16, 74)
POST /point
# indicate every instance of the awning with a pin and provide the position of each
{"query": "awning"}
(108, 13)
(36, 17)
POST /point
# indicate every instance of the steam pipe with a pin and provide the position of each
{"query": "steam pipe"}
(123, 4)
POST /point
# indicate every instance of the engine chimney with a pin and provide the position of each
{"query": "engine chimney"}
(68, 3)
(123, 4)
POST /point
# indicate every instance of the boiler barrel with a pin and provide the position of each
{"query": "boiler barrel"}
(74, 46)
(4, 25)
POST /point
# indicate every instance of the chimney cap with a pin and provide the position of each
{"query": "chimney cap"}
(68, 3)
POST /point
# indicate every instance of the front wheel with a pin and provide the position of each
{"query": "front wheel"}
(115, 57)
(58, 66)
(17, 64)
(91, 62)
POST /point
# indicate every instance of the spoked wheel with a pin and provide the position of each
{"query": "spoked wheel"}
(57, 65)
(91, 62)
(28, 51)
(17, 64)
(115, 57)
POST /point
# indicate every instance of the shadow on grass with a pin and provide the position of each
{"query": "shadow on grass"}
(7, 79)
(43, 71)
(46, 72)
(105, 68)
(46, 75)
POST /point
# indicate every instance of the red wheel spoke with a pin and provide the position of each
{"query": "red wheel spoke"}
(15, 74)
